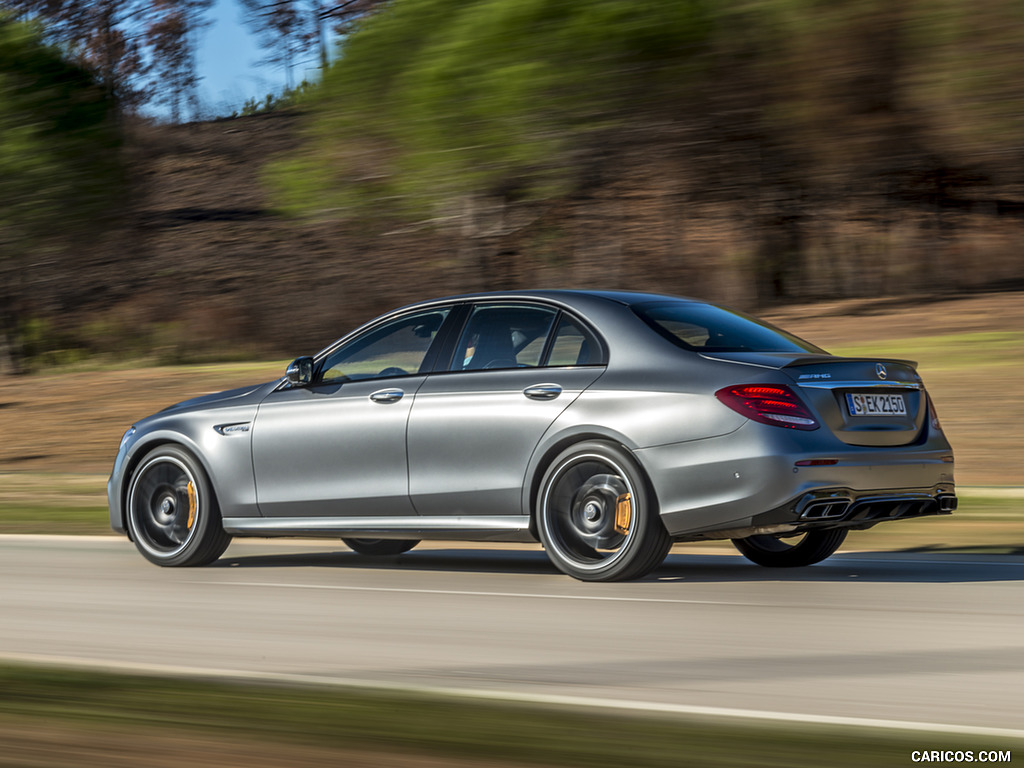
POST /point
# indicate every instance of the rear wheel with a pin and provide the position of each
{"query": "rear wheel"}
(595, 516)
(380, 546)
(173, 516)
(792, 552)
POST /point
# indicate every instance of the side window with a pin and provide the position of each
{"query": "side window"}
(503, 336)
(573, 345)
(397, 348)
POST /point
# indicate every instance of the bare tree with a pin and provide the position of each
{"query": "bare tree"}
(291, 29)
(104, 36)
(140, 50)
(172, 37)
(282, 30)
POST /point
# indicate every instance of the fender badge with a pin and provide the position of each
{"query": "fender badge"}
(232, 429)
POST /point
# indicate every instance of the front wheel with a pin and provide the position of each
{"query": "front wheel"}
(595, 515)
(380, 546)
(774, 552)
(173, 516)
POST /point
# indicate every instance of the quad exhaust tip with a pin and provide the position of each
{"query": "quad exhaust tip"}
(877, 508)
(825, 509)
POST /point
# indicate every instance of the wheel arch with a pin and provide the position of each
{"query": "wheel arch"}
(545, 455)
(142, 449)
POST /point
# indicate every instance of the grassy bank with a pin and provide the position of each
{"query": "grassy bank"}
(300, 726)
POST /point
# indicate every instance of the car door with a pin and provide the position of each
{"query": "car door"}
(337, 448)
(473, 429)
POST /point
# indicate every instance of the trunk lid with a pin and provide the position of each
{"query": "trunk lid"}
(863, 401)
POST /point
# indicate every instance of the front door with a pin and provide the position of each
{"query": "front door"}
(337, 448)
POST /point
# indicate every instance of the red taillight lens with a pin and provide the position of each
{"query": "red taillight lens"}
(773, 404)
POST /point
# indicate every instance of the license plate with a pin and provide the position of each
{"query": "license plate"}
(876, 405)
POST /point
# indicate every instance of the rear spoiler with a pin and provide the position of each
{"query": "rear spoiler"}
(780, 360)
(817, 359)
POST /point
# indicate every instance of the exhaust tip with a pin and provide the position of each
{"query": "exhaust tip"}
(825, 509)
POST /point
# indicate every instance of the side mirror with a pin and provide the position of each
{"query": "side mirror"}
(300, 372)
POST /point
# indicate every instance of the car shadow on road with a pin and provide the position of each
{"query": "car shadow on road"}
(906, 567)
(874, 567)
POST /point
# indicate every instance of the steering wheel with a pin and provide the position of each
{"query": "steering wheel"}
(393, 371)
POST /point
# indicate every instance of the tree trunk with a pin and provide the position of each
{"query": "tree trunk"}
(321, 31)
(7, 363)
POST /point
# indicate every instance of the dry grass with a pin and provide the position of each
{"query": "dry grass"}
(72, 421)
(971, 355)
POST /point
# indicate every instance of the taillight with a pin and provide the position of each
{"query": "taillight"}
(773, 404)
(933, 414)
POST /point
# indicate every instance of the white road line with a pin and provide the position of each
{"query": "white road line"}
(881, 559)
(584, 702)
(61, 538)
(470, 593)
(805, 606)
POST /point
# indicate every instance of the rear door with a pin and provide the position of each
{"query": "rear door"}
(473, 429)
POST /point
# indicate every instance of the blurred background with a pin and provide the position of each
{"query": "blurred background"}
(193, 191)
(757, 152)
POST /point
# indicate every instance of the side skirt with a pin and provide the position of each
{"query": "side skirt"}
(512, 528)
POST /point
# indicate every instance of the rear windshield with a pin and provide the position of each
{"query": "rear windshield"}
(707, 328)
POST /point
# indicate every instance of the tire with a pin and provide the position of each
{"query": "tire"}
(172, 514)
(577, 509)
(380, 546)
(773, 552)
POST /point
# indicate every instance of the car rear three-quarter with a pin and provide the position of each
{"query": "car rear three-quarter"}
(605, 424)
(747, 433)
(827, 444)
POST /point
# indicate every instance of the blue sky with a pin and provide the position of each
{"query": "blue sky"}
(229, 63)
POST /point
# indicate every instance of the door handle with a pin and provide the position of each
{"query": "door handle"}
(543, 391)
(387, 395)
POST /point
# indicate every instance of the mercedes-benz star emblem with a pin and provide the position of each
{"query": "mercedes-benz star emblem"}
(880, 370)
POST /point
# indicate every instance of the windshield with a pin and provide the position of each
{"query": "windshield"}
(708, 328)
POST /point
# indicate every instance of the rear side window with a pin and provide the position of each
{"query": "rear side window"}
(708, 328)
(573, 345)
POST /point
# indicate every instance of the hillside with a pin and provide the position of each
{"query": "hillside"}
(203, 266)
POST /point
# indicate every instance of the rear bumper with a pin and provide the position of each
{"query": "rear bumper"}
(758, 477)
(838, 508)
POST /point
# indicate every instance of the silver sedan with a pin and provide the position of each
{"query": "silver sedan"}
(606, 425)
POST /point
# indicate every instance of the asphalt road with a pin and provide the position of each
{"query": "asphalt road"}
(884, 637)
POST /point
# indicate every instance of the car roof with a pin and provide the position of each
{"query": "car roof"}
(569, 296)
